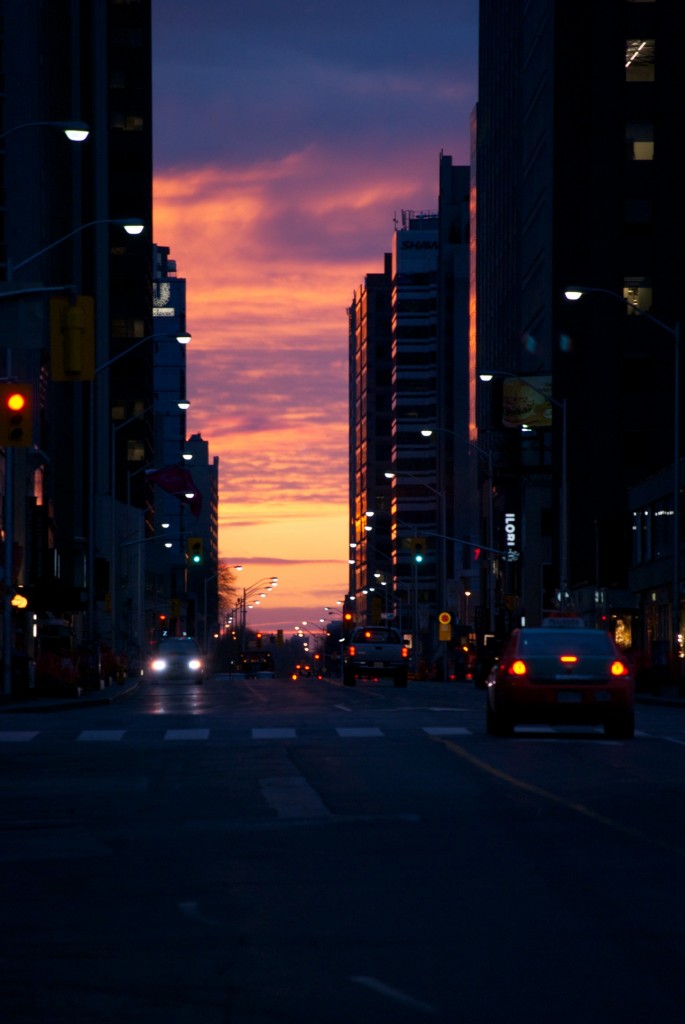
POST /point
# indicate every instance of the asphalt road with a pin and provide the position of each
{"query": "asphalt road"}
(281, 852)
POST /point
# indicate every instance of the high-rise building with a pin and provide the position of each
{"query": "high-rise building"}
(370, 379)
(578, 184)
(413, 495)
(61, 235)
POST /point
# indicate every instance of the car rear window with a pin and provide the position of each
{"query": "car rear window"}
(566, 641)
(377, 635)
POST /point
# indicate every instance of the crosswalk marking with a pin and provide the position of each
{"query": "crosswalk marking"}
(186, 734)
(359, 731)
(101, 735)
(273, 734)
(446, 730)
(529, 733)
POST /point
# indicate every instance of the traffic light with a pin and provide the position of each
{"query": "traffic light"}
(16, 415)
(418, 548)
(195, 550)
(72, 339)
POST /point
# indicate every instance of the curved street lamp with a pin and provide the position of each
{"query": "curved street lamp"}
(75, 131)
(428, 432)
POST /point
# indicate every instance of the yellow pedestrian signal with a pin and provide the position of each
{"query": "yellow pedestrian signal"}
(16, 415)
(72, 339)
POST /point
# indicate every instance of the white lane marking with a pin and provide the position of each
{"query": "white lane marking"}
(186, 734)
(342, 707)
(17, 737)
(359, 731)
(446, 730)
(273, 734)
(672, 739)
(104, 735)
(291, 796)
(393, 993)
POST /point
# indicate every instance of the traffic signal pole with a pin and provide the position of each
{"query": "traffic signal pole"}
(7, 581)
(15, 404)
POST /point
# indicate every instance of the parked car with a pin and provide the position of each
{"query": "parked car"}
(561, 675)
(177, 657)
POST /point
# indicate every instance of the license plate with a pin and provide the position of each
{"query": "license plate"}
(569, 697)
(378, 664)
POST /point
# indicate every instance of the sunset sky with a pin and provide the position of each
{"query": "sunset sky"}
(287, 137)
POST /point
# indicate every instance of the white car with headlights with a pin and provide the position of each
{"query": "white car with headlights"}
(177, 657)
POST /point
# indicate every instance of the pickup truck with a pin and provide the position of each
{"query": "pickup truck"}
(375, 651)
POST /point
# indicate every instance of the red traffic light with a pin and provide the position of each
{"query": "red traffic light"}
(16, 414)
(16, 401)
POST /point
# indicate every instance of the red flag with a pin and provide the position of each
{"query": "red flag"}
(177, 481)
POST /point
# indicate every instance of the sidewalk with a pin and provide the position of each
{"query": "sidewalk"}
(87, 698)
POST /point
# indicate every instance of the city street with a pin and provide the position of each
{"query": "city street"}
(280, 852)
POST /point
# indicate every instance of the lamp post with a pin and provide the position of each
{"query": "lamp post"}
(486, 454)
(75, 131)
(573, 294)
(391, 475)
(207, 580)
(266, 583)
(563, 497)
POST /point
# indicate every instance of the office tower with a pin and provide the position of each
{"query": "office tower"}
(578, 184)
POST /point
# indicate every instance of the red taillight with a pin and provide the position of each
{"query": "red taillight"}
(405, 652)
(517, 668)
(568, 659)
(352, 650)
(618, 668)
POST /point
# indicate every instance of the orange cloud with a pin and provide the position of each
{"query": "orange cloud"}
(272, 254)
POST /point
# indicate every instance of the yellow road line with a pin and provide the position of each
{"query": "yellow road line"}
(546, 794)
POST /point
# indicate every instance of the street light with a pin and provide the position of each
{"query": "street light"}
(486, 454)
(573, 294)
(271, 581)
(442, 527)
(563, 539)
(75, 131)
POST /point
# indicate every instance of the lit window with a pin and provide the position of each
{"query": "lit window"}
(637, 291)
(639, 60)
(640, 141)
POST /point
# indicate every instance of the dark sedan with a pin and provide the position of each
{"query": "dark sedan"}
(561, 676)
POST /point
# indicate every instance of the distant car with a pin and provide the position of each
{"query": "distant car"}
(561, 676)
(177, 657)
(258, 666)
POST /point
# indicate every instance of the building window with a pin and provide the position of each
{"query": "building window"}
(637, 292)
(135, 451)
(639, 60)
(640, 141)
